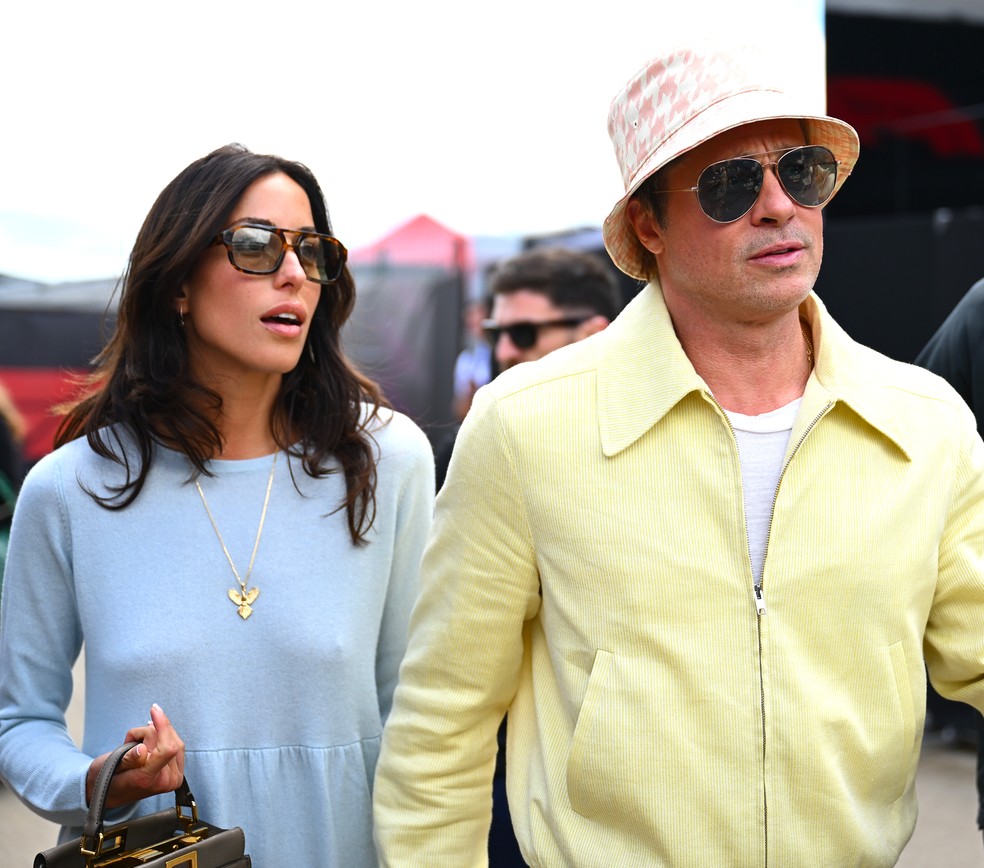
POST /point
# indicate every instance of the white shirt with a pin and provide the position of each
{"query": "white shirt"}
(762, 442)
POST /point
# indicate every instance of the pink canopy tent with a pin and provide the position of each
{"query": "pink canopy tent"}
(420, 241)
(405, 331)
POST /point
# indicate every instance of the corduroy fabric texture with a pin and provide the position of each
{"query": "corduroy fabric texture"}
(589, 571)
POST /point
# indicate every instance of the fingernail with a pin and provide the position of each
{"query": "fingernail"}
(155, 705)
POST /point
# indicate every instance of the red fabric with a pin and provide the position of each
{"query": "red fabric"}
(36, 391)
(906, 108)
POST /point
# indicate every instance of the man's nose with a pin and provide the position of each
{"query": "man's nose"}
(774, 204)
(506, 352)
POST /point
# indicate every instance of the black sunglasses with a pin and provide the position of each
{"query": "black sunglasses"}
(257, 249)
(525, 334)
(727, 190)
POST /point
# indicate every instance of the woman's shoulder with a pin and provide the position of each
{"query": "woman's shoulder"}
(396, 435)
(393, 427)
(69, 457)
(77, 460)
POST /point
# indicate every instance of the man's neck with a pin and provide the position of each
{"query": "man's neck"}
(750, 368)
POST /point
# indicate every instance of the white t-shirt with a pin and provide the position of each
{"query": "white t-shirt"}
(762, 442)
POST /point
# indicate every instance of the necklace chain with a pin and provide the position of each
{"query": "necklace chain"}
(244, 597)
(809, 344)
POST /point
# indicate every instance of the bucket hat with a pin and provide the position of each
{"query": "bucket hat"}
(683, 98)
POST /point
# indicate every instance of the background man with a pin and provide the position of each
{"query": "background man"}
(700, 556)
(545, 298)
(548, 298)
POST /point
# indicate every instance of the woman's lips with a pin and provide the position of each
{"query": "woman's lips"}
(284, 319)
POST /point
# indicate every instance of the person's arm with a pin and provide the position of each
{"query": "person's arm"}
(953, 646)
(479, 586)
(40, 639)
(955, 351)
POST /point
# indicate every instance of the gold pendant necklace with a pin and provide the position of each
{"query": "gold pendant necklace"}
(244, 598)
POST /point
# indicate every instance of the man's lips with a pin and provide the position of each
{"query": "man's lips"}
(781, 253)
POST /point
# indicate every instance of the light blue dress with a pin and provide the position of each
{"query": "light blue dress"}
(282, 713)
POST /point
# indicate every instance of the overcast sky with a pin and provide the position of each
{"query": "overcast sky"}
(489, 117)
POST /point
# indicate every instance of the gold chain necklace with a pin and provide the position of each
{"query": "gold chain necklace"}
(244, 597)
(809, 344)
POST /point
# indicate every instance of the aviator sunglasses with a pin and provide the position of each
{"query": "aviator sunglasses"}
(258, 249)
(727, 190)
(525, 334)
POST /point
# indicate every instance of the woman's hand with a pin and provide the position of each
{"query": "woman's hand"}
(155, 764)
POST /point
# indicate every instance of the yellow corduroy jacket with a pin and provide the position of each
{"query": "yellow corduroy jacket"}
(589, 573)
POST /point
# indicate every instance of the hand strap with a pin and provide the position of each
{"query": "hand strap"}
(92, 832)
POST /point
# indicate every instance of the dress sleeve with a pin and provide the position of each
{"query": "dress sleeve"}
(40, 640)
(479, 587)
(415, 510)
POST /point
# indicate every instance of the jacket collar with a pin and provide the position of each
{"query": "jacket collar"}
(857, 376)
(643, 373)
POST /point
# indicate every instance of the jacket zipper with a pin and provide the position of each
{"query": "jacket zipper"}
(759, 598)
(760, 607)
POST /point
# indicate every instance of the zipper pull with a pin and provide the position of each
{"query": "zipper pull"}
(759, 602)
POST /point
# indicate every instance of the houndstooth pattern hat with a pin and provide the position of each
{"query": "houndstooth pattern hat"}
(686, 97)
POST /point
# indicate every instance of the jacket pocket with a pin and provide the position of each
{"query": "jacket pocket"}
(584, 763)
(900, 670)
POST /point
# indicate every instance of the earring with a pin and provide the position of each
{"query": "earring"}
(181, 316)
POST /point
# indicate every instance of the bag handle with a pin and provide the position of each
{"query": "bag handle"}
(92, 832)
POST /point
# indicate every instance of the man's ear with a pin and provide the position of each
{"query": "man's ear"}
(591, 326)
(649, 232)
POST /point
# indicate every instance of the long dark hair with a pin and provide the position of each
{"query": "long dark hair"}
(142, 381)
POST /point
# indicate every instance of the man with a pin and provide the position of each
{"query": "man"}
(956, 353)
(699, 556)
(548, 298)
(543, 299)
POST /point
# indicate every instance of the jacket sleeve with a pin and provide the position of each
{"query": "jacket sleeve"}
(954, 637)
(479, 586)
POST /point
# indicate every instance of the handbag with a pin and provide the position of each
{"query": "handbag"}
(174, 838)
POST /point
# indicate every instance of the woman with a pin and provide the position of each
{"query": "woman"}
(227, 446)
(12, 431)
